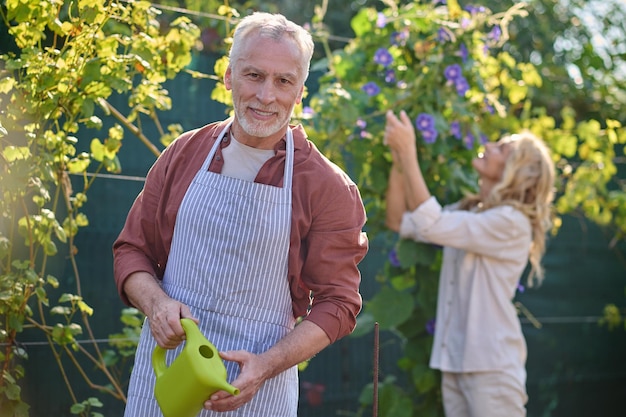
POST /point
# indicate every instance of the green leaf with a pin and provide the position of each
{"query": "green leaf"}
(82, 220)
(424, 378)
(49, 247)
(94, 122)
(13, 153)
(364, 324)
(94, 402)
(394, 402)
(97, 150)
(390, 307)
(84, 307)
(79, 164)
(42, 296)
(61, 310)
(31, 276)
(52, 281)
(13, 392)
(113, 165)
(362, 23)
(412, 253)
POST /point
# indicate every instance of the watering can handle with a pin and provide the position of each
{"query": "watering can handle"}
(158, 355)
(158, 361)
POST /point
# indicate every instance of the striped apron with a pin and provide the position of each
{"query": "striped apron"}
(228, 263)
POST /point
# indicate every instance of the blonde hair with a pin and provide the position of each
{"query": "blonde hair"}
(273, 26)
(527, 184)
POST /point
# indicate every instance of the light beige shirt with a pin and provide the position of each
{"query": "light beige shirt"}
(242, 161)
(485, 253)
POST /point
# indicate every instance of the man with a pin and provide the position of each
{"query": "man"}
(244, 226)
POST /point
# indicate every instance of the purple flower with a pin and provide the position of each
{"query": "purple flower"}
(430, 135)
(371, 88)
(483, 139)
(461, 86)
(383, 57)
(520, 288)
(489, 107)
(468, 140)
(455, 129)
(495, 34)
(463, 52)
(390, 76)
(306, 110)
(430, 326)
(452, 72)
(443, 35)
(474, 9)
(361, 124)
(393, 258)
(381, 20)
(399, 38)
(424, 121)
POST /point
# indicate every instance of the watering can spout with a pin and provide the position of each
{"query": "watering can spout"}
(195, 374)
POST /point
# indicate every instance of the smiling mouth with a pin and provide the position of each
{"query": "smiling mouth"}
(262, 112)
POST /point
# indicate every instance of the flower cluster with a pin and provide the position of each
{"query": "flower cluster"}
(361, 128)
(454, 76)
(371, 88)
(425, 123)
(383, 57)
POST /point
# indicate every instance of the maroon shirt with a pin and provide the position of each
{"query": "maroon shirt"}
(327, 241)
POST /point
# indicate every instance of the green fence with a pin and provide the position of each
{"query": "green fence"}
(575, 367)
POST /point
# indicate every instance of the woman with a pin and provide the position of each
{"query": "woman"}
(488, 239)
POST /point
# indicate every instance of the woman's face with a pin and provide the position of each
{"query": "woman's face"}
(490, 163)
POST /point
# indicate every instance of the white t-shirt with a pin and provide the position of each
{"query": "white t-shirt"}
(485, 253)
(243, 161)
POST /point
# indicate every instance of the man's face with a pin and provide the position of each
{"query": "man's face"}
(266, 83)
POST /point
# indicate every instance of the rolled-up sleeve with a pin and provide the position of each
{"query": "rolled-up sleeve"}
(144, 242)
(135, 249)
(496, 232)
(334, 247)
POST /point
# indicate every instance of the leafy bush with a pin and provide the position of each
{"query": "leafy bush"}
(69, 58)
(449, 69)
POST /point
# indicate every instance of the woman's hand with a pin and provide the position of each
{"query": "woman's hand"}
(407, 189)
(400, 136)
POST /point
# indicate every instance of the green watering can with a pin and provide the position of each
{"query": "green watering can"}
(193, 376)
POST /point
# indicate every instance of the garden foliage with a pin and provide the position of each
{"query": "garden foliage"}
(66, 61)
(448, 67)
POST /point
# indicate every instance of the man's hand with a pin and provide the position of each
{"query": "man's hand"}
(253, 373)
(302, 343)
(164, 313)
(165, 322)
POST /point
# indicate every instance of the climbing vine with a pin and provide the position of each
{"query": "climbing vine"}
(67, 59)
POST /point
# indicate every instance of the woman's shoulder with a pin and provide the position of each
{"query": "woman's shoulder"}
(511, 216)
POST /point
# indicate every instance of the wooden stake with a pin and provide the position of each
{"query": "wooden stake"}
(375, 389)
